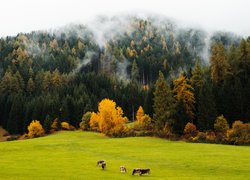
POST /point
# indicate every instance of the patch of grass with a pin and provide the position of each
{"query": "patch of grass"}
(73, 155)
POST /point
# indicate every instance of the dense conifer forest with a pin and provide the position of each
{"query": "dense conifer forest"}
(178, 75)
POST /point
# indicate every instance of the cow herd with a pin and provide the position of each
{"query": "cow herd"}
(124, 170)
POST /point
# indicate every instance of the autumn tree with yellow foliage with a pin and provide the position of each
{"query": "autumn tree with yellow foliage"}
(184, 92)
(93, 123)
(143, 121)
(139, 114)
(35, 129)
(109, 118)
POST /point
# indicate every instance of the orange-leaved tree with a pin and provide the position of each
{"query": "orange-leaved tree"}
(35, 129)
(143, 121)
(93, 123)
(139, 114)
(109, 118)
(184, 92)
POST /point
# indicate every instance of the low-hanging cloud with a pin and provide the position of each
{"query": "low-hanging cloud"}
(85, 61)
(104, 29)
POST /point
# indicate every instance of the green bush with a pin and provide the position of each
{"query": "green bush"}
(221, 126)
(84, 124)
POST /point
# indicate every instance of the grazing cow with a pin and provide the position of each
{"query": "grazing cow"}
(141, 171)
(100, 162)
(123, 169)
(103, 166)
(136, 170)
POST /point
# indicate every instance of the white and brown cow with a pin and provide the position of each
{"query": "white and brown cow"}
(123, 169)
(102, 163)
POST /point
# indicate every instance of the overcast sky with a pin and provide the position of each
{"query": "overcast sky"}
(27, 15)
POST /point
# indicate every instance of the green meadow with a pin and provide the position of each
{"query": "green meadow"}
(73, 155)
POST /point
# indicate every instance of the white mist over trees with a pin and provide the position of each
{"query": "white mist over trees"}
(105, 31)
(223, 15)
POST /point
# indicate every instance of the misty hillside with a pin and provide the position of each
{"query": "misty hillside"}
(112, 44)
(65, 72)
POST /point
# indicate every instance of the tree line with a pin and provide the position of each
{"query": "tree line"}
(46, 77)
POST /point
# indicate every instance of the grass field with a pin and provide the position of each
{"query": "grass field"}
(73, 155)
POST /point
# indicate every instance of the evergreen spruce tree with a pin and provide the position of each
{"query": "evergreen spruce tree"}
(164, 103)
(181, 118)
(206, 108)
(134, 72)
(30, 86)
(16, 115)
(197, 81)
(20, 81)
(47, 123)
(219, 64)
(6, 86)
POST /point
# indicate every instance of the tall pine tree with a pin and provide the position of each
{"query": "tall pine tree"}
(219, 64)
(206, 112)
(164, 103)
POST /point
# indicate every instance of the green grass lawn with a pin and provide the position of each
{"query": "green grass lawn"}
(73, 155)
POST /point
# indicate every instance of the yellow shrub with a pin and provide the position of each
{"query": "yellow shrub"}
(144, 123)
(65, 126)
(35, 129)
(94, 121)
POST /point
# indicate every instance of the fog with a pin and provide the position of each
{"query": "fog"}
(28, 15)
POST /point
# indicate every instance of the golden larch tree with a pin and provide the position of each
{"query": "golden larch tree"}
(139, 114)
(184, 92)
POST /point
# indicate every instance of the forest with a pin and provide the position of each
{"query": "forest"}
(176, 75)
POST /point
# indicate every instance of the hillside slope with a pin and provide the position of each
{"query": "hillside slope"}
(73, 155)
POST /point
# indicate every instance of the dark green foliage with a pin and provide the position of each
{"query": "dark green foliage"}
(16, 115)
(197, 80)
(181, 118)
(84, 125)
(134, 72)
(66, 75)
(164, 103)
(47, 124)
(233, 95)
(206, 112)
